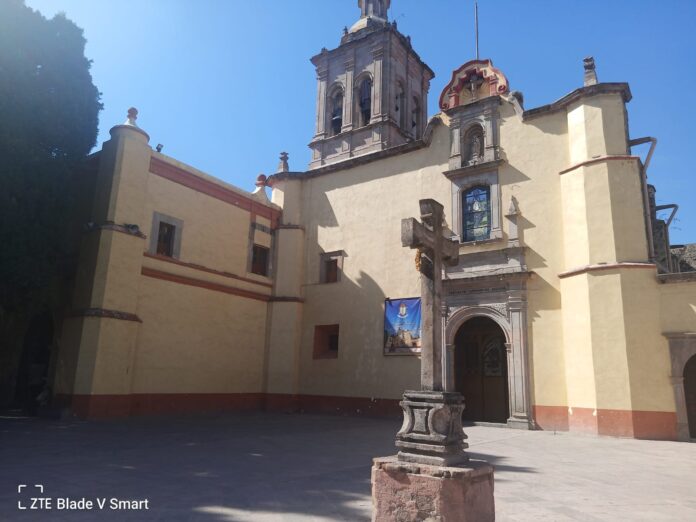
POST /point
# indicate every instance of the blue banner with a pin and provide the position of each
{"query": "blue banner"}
(402, 326)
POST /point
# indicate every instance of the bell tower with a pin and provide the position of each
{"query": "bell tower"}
(372, 90)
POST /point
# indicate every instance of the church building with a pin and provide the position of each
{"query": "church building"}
(567, 309)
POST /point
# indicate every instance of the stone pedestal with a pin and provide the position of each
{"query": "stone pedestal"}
(432, 431)
(408, 492)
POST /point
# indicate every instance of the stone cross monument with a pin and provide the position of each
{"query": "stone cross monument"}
(432, 430)
(432, 477)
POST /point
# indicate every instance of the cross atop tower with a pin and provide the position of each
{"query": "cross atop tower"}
(374, 8)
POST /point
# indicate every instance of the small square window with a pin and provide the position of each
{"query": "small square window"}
(165, 239)
(259, 260)
(165, 235)
(331, 270)
(331, 266)
(326, 341)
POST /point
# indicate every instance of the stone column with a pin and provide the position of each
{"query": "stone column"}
(455, 160)
(517, 361)
(377, 84)
(348, 96)
(322, 80)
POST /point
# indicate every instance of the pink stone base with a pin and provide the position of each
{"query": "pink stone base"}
(405, 492)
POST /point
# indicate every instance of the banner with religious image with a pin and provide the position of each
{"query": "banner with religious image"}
(402, 326)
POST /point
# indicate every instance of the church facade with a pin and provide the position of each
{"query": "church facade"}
(567, 308)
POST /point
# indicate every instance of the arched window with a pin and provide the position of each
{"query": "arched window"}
(476, 206)
(400, 106)
(416, 119)
(365, 102)
(336, 113)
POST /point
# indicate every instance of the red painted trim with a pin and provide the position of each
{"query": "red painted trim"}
(190, 180)
(328, 404)
(605, 266)
(551, 418)
(599, 160)
(110, 314)
(206, 269)
(106, 406)
(654, 425)
(166, 276)
(285, 403)
(582, 420)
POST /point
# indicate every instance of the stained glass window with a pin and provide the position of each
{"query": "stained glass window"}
(477, 213)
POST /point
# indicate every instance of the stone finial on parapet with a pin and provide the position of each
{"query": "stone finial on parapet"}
(283, 165)
(130, 125)
(260, 190)
(132, 116)
(590, 72)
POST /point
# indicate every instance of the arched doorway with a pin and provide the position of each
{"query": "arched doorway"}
(481, 372)
(690, 394)
(32, 373)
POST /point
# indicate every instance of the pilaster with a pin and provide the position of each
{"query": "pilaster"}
(102, 334)
(348, 95)
(282, 380)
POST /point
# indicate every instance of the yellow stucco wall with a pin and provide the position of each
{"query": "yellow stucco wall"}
(359, 211)
(194, 340)
(532, 177)
(192, 334)
(678, 307)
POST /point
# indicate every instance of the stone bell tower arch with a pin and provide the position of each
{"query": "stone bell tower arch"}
(372, 90)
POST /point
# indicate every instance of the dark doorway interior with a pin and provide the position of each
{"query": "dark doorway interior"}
(32, 374)
(481, 373)
(690, 394)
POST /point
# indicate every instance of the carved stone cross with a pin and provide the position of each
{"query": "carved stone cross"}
(432, 429)
(434, 250)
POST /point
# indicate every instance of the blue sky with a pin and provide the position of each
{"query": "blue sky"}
(227, 85)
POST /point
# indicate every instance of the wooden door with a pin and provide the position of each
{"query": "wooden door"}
(481, 371)
(690, 394)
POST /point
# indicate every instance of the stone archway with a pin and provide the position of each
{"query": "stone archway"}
(510, 319)
(682, 348)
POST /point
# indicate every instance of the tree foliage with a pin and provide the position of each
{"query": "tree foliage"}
(49, 110)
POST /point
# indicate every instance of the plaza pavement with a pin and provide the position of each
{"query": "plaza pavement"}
(286, 468)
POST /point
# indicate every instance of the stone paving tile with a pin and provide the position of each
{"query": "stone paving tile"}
(287, 468)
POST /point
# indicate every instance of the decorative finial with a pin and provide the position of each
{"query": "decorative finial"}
(283, 165)
(132, 116)
(590, 72)
(345, 30)
(260, 190)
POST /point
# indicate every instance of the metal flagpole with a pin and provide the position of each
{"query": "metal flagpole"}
(476, 25)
